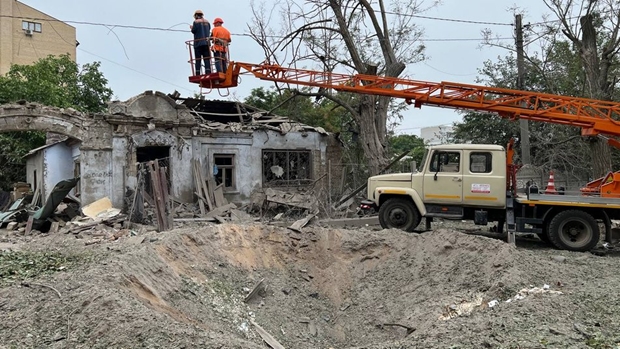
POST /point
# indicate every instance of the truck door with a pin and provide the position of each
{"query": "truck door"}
(443, 180)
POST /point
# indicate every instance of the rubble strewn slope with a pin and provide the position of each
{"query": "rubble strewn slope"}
(200, 287)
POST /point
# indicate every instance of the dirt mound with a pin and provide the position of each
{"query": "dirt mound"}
(320, 289)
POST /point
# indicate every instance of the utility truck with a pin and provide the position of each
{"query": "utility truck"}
(469, 182)
(466, 181)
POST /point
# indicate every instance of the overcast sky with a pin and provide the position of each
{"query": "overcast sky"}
(136, 60)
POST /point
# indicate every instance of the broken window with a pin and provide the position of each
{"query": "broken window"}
(224, 170)
(287, 167)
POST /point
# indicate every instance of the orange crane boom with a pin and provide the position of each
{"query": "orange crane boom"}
(594, 117)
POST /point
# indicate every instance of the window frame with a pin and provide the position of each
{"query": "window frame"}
(35, 27)
(488, 163)
(437, 167)
(286, 180)
(223, 168)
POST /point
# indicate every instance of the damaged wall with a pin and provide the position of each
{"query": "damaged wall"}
(248, 148)
(237, 139)
(125, 160)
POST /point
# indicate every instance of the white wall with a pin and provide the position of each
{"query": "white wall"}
(435, 135)
(58, 165)
(248, 148)
(34, 163)
(124, 163)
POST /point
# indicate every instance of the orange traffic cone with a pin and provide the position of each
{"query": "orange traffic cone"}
(551, 185)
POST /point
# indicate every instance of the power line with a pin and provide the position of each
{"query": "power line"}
(448, 19)
(134, 70)
(462, 39)
(170, 29)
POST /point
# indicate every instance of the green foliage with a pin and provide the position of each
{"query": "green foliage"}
(476, 128)
(58, 82)
(18, 265)
(552, 146)
(411, 143)
(406, 143)
(52, 81)
(294, 105)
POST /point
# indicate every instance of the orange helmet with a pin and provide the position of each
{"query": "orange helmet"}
(218, 20)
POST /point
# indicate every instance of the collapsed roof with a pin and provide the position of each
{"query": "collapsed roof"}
(217, 115)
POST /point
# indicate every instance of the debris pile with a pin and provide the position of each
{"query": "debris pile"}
(26, 215)
(252, 285)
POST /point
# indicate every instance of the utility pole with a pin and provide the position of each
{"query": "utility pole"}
(523, 124)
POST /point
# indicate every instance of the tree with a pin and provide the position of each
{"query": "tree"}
(57, 82)
(297, 106)
(596, 40)
(586, 34)
(349, 35)
(407, 143)
(53, 81)
(553, 146)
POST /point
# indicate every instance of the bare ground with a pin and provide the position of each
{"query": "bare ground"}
(324, 288)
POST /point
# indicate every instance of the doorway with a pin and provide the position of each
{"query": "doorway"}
(161, 154)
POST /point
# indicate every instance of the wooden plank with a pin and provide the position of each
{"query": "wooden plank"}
(220, 220)
(29, 225)
(148, 198)
(301, 223)
(212, 186)
(206, 190)
(218, 194)
(198, 188)
(272, 342)
(218, 211)
(35, 198)
(159, 210)
(255, 290)
(202, 219)
(163, 179)
(160, 196)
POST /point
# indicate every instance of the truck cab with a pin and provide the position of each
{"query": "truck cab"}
(455, 181)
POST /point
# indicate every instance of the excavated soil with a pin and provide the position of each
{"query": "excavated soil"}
(324, 288)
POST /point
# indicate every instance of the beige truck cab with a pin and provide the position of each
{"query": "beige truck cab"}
(455, 181)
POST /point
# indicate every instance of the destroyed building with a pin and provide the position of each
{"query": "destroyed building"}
(243, 148)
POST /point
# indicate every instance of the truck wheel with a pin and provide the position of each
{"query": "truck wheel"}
(399, 213)
(574, 230)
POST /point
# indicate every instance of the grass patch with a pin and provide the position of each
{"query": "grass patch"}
(20, 265)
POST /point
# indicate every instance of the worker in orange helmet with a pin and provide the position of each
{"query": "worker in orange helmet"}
(201, 28)
(221, 40)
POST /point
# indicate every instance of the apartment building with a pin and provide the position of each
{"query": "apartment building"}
(26, 35)
(435, 135)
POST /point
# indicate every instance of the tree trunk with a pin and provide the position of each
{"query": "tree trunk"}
(596, 71)
(372, 137)
(601, 157)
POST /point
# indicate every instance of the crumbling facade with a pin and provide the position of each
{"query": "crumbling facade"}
(243, 148)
